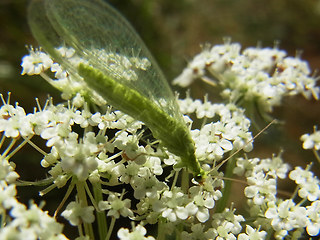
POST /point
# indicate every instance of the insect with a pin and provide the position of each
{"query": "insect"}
(115, 63)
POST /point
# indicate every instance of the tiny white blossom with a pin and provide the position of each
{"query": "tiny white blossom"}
(311, 141)
(188, 105)
(35, 222)
(14, 121)
(226, 224)
(286, 216)
(75, 213)
(203, 198)
(309, 185)
(154, 165)
(198, 232)
(36, 62)
(7, 196)
(200, 207)
(172, 205)
(261, 189)
(138, 233)
(79, 158)
(313, 224)
(7, 172)
(215, 139)
(252, 234)
(146, 186)
(116, 206)
(260, 75)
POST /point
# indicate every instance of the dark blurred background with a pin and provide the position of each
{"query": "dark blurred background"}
(174, 30)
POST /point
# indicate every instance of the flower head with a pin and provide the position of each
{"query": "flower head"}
(75, 213)
(138, 233)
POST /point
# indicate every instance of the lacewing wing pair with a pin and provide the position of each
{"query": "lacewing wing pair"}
(115, 63)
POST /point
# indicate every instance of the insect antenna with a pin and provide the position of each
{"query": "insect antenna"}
(250, 141)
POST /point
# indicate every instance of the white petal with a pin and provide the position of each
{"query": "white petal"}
(182, 212)
(203, 215)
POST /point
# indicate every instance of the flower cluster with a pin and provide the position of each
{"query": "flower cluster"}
(214, 139)
(94, 155)
(284, 216)
(260, 75)
(311, 141)
(119, 67)
(120, 171)
(138, 232)
(32, 223)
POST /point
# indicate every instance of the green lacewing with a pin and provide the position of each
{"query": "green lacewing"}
(116, 64)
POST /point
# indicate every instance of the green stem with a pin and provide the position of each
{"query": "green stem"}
(66, 196)
(12, 143)
(113, 221)
(178, 231)
(20, 146)
(161, 232)
(185, 181)
(3, 218)
(81, 193)
(316, 154)
(175, 179)
(101, 215)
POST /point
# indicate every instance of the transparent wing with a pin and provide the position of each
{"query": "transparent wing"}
(103, 38)
(115, 61)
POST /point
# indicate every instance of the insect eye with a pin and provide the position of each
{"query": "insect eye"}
(199, 178)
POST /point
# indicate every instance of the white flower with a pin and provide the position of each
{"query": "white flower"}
(35, 222)
(171, 159)
(188, 105)
(146, 186)
(311, 141)
(252, 234)
(214, 139)
(224, 231)
(313, 213)
(82, 118)
(75, 213)
(129, 172)
(262, 177)
(7, 196)
(12, 232)
(203, 198)
(206, 109)
(260, 75)
(138, 233)
(226, 225)
(14, 121)
(309, 185)
(7, 172)
(286, 215)
(116, 206)
(171, 205)
(198, 232)
(212, 142)
(275, 167)
(79, 158)
(260, 189)
(200, 207)
(154, 165)
(245, 166)
(51, 158)
(36, 62)
(109, 169)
